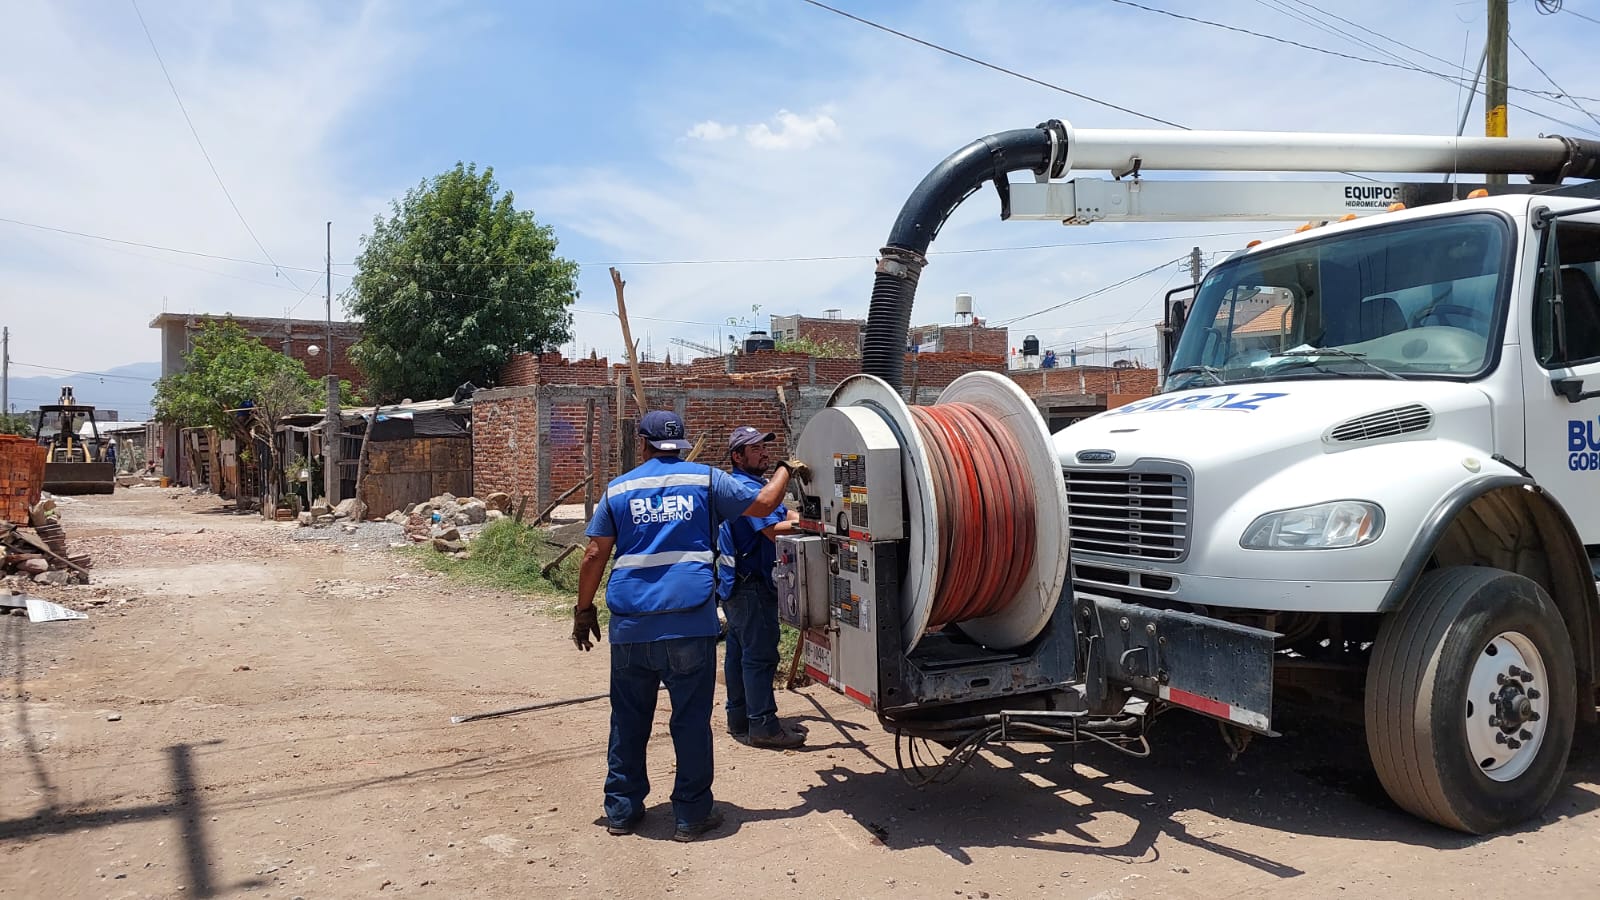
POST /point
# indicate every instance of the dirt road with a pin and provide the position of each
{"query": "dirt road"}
(246, 714)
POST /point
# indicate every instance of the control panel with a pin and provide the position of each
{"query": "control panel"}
(855, 489)
(801, 577)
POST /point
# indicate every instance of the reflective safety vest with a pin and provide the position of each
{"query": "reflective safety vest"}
(665, 556)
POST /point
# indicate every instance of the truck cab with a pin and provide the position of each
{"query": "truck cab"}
(1362, 424)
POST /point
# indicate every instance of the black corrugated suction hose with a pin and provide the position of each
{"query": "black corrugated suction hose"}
(902, 259)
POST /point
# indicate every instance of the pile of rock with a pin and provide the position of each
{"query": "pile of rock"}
(443, 519)
(321, 514)
(38, 549)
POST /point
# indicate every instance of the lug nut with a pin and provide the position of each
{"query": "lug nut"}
(1525, 734)
(1500, 678)
(1494, 721)
(1533, 717)
(1513, 671)
(1514, 744)
(1526, 677)
(1533, 693)
(1499, 737)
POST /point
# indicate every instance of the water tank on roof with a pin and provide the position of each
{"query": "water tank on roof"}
(963, 305)
(1030, 346)
(759, 340)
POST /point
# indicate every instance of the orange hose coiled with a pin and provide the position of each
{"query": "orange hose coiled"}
(984, 503)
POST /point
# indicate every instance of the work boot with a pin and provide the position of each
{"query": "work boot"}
(782, 739)
(624, 827)
(687, 833)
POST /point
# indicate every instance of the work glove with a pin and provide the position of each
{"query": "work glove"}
(797, 468)
(585, 627)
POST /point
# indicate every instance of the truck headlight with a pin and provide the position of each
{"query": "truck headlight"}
(1342, 523)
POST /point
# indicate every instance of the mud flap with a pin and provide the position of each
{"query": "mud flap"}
(1206, 665)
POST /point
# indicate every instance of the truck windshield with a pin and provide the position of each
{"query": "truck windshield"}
(1418, 298)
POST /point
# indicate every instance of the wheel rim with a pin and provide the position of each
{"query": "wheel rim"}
(1507, 706)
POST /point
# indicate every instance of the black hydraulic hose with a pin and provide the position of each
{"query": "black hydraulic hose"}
(902, 259)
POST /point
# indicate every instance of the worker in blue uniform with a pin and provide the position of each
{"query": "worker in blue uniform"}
(750, 663)
(661, 519)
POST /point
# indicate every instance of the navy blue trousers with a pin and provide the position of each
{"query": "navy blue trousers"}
(688, 668)
(751, 660)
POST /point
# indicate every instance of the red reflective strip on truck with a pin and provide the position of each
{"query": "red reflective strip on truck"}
(859, 535)
(1245, 717)
(857, 696)
(817, 675)
(1196, 702)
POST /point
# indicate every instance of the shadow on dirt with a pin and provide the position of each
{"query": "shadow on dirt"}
(1314, 780)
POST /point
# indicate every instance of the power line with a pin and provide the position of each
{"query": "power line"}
(78, 372)
(1094, 293)
(989, 65)
(1552, 81)
(645, 262)
(201, 144)
(1581, 15)
(1362, 59)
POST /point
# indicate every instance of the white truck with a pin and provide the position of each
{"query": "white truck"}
(1371, 480)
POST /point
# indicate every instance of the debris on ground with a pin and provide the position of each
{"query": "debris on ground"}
(37, 548)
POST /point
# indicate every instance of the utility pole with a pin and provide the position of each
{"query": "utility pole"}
(1494, 87)
(5, 371)
(331, 419)
(1196, 266)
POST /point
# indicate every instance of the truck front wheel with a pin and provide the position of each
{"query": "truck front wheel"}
(1470, 699)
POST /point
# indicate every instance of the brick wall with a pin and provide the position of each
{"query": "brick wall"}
(1131, 383)
(845, 332)
(527, 369)
(505, 428)
(301, 333)
(964, 339)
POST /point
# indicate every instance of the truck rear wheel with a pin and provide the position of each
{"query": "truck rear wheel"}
(1470, 699)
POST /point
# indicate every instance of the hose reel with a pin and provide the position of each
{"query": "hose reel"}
(979, 502)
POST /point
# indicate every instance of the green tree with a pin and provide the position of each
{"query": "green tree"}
(237, 385)
(224, 372)
(452, 284)
(17, 424)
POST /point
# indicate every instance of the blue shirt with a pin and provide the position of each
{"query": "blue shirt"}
(663, 574)
(754, 553)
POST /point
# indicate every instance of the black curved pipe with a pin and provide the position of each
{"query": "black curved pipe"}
(902, 259)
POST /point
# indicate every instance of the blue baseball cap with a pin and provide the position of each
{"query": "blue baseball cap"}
(664, 430)
(745, 435)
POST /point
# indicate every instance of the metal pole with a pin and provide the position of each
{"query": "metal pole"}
(331, 418)
(1196, 266)
(5, 372)
(1494, 86)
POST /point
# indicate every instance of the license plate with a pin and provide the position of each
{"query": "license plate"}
(817, 657)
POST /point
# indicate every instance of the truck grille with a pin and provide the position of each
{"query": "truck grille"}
(1139, 515)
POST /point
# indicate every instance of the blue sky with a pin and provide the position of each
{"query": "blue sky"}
(650, 131)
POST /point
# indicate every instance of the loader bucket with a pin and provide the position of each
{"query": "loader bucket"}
(80, 477)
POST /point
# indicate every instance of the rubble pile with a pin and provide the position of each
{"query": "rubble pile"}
(448, 521)
(37, 549)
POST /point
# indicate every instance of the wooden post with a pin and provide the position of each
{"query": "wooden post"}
(627, 338)
(623, 462)
(588, 458)
(522, 505)
(359, 513)
(564, 495)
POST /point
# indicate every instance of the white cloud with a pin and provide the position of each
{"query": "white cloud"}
(794, 132)
(883, 112)
(786, 131)
(713, 131)
(96, 143)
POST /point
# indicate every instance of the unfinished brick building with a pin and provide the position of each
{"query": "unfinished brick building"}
(553, 418)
